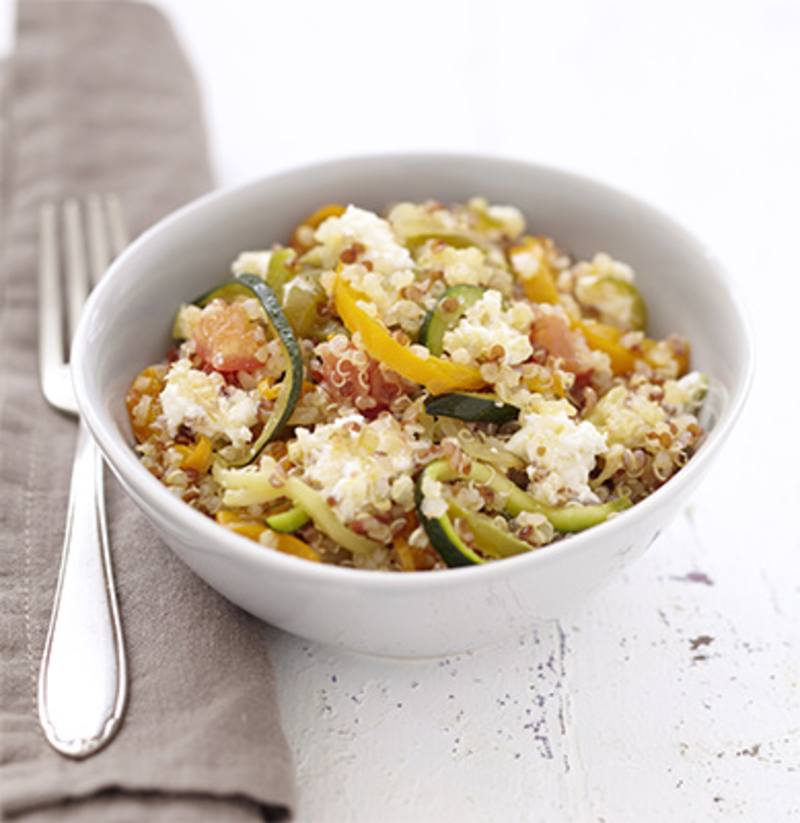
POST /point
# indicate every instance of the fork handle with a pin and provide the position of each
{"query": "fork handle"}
(83, 678)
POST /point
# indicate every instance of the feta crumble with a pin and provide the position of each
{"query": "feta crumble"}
(206, 404)
(560, 453)
(487, 325)
(359, 464)
(366, 228)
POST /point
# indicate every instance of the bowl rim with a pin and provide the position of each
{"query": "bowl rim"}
(127, 466)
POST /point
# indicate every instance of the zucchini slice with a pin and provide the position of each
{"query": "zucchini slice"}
(471, 407)
(445, 540)
(292, 383)
(261, 483)
(444, 316)
(491, 541)
(289, 521)
(279, 270)
(616, 300)
(227, 291)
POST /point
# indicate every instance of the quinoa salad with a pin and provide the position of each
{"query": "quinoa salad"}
(428, 387)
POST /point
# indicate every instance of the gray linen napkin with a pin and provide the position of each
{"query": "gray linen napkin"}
(102, 99)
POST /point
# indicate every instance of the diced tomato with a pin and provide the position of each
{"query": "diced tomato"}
(227, 339)
(352, 377)
(553, 333)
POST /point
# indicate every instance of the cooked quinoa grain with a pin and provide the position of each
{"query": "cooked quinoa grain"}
(429, 387)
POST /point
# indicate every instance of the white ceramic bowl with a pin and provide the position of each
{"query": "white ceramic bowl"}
(126, 326)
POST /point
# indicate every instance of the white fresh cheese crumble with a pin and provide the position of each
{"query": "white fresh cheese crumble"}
(509, 218)
(613, 303)
(600, 267)
(373, 232)
(414, 220)
(390, 267)
(206, 404)
(252, 262)
(560, 451)
(526, 262)
(486, 325)
(359, 465)
(434, 503)
(469, 265)
(687, 394)
(626, 417)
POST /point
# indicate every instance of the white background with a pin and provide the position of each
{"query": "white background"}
(674, 695)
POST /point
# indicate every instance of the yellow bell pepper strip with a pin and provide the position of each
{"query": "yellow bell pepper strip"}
(199, 459)
(303, 232)
(604, 338)
(540, 287)
(266, 482)
(537, 281)
(405, 554)
(289, 544)
(241, 523)
(437, 375)
(248, 526)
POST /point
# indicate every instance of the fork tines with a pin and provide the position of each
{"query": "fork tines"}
(66, 275)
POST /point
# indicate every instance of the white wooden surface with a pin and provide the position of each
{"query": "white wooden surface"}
(674, 695)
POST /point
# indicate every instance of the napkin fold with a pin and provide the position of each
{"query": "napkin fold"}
(101, 98)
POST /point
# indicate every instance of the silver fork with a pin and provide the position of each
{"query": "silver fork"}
(83, 676)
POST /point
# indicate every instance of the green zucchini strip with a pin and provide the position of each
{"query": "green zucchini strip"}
(279, 270)
(444, 316)
(491, 540)
(292, 383)
(566, 519)
(227, 291)
(444, 538)
(288, 521)
(254, 485)
(471, 407)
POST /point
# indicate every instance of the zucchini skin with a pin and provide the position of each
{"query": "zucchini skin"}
(292, 383)
(439, 321)
(453, 550)
(472, 408)
(442, 535)
(289, 521)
